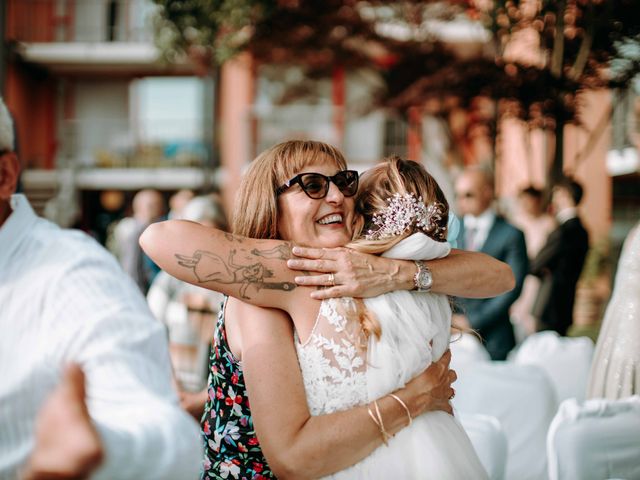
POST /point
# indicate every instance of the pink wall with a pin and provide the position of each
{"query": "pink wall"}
(237, 92)
(516, 168)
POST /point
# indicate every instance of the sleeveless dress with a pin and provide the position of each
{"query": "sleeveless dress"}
(341, 369)
(231, 448)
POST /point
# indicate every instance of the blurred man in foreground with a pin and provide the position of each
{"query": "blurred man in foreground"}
(67, 311)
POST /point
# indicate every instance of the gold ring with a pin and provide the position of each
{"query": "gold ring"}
(332, 279)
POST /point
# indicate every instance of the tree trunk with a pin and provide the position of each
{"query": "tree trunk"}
(556, 168)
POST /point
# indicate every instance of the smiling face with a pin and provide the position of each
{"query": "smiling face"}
(325, 222)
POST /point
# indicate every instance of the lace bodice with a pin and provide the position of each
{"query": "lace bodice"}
(333, 358)
(342, 368)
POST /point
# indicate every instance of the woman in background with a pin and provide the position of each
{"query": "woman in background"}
(615, 371)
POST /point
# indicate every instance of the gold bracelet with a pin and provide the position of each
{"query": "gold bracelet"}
(404, 405)
(373, 417)
(385, 435)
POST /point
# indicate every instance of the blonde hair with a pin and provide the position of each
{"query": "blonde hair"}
(377, 185)
(255, 212)
(394, 175)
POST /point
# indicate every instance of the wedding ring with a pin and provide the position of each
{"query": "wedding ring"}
(452, 395)
(332, 279)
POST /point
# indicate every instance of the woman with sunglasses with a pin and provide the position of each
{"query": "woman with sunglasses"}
(254, 350)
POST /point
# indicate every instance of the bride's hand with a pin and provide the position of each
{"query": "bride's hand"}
(347, 273)
(431, 390)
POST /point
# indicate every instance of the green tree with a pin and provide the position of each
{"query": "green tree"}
(576, 39)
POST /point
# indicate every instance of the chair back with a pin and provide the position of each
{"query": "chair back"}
(523, 400)
(567, 361)
(489, 441)
(598, 439)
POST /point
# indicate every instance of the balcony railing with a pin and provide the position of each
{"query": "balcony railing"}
(87, 21)
(363, 140)
(301, 122)
(103, 143)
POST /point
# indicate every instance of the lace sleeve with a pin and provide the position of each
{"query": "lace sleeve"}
(333, 358)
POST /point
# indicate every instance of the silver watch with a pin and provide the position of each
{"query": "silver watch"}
(423, 279)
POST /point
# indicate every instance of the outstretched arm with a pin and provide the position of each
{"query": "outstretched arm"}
(252, 270)
(257, 272)
(123, 353)
(67, 445)
(461, 273)
(296, 444)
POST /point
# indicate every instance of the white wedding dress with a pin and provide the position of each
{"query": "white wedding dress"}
(341, 369)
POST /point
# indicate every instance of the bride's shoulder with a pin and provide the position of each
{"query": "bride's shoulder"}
(418, 246)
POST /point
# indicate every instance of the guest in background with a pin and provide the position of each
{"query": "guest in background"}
(189, 313)
(532, 218)
(148, 206)
(178, 201)
(615, 371)
(536, 224)
(485, 231)
(560, 261)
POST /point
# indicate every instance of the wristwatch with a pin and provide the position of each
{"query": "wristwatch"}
(423, 279)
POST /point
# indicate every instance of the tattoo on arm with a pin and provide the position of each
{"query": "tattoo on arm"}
(282, 251)
(209, 267)
(233, 238)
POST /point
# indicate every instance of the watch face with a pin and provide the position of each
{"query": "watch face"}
(425, 280)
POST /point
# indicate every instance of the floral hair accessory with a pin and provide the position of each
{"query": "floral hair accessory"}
(402, 211)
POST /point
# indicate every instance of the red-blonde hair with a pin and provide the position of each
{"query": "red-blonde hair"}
(255, 212)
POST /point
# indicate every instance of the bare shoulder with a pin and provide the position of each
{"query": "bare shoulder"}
(250, 323)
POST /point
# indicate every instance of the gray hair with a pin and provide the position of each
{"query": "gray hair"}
(6, 128)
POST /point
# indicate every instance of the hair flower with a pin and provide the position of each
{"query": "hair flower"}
(401, 212)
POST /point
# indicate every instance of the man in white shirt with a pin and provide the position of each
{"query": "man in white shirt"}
(485, 231)
(68, 312)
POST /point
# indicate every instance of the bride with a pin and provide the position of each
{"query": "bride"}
(355, 356)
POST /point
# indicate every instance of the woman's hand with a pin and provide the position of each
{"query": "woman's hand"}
(356, 274)
(348, 273)
(431, 390)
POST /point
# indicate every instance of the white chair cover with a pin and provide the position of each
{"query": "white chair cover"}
(489, 441)
(523, 399)
(597, 440)
(466, 352)
(566, 360)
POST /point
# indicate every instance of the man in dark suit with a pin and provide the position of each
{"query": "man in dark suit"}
(559, 263)
(485, 231)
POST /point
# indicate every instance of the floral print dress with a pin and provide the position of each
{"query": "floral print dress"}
(232, 450)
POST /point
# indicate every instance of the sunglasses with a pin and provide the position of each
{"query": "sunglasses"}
(316, 185)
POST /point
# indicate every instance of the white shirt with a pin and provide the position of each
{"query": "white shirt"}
(566, 214)
(64, 298)
(482, 225)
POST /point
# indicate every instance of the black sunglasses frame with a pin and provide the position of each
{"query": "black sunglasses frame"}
(298, 179)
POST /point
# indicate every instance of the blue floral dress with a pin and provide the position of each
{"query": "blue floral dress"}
(232, 450)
